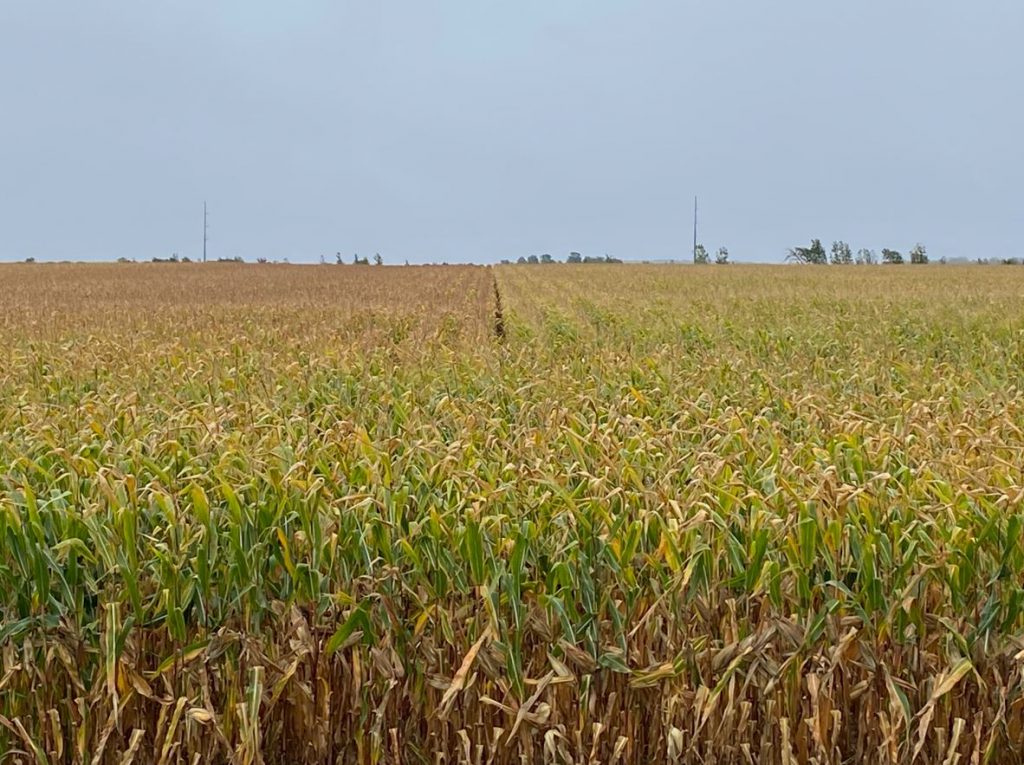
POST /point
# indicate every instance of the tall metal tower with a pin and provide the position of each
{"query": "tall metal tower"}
(695, 229)
(205, 228)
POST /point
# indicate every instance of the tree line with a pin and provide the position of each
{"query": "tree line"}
(842, 254)
(356, 260)
(338, 260)
(701, 256)
(573, 257)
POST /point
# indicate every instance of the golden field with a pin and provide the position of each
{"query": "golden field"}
(737, 514)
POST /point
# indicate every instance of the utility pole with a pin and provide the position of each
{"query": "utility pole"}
(694, 229)
(206, 227)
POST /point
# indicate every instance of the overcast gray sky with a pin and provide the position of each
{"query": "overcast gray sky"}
(467, 130)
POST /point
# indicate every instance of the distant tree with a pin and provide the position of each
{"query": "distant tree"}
(722, 257)
(322, 259)
(533, 260)
(261, 260)
(119, 260)
(700, 255)
(378, 260)
(865, 257)
(521, 260)
(841, 253)
(407, 261)
(338, 259)
(891, 257)
(186, 259)
(546, 258)
(609, 259)
(30, 259)
(815, 254)
(918, 255)
(574, 257)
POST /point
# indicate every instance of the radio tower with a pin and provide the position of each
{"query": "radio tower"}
(695, 229)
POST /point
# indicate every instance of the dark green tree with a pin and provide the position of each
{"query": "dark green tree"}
(815, 254)
(842, 255)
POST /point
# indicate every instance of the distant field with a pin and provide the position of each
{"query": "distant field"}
(588, 513)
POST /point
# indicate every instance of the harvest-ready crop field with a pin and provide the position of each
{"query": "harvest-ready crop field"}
(642, 514)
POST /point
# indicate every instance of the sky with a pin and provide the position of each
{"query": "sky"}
(472, 131)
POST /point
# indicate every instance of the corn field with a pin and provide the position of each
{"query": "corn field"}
(551, 514)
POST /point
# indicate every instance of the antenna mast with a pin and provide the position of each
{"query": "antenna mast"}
(695, 229)
(206, 226)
